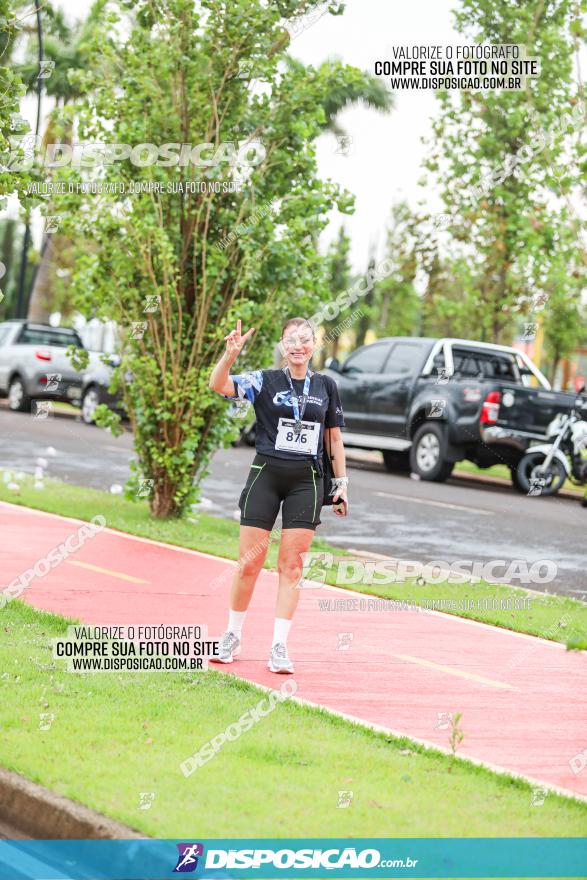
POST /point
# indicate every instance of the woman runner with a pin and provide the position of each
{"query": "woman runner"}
(297, 410)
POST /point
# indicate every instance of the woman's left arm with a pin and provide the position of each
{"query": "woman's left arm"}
(335, 447)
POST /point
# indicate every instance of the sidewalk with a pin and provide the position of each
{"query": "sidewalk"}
(523, 700)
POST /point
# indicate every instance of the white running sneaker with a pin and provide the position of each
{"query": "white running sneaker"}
(229, 648)
(279, 660)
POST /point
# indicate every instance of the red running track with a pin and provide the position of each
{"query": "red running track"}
(523, 700)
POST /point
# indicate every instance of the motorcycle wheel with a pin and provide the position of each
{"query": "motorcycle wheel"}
(530, 473)
(515, 480)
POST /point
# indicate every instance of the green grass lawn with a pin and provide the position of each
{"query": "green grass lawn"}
(114, 736)
(550, 616)
(502, 471)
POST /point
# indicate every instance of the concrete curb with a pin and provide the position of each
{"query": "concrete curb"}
(41, 814)
(499, 481)
(371, 457)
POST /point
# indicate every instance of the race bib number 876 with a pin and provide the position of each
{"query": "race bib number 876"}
(306, 442)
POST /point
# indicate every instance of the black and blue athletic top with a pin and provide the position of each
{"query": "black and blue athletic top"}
(270, 394)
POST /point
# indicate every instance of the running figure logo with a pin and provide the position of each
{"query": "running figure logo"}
(187, 860)
(314, 566)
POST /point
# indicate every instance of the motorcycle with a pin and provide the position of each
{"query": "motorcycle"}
(543, 469)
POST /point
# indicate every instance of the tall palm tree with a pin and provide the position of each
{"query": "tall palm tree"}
(64, 49)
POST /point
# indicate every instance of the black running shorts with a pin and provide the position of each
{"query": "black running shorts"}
(272, 481)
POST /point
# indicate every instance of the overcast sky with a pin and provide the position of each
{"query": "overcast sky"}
(384, 158)
(384, 162)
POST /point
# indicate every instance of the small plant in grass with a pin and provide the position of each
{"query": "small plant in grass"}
(456, 735)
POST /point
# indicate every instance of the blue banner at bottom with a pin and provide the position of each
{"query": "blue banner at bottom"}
(228, 859)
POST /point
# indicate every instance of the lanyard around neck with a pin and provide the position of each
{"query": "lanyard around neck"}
(294, 398)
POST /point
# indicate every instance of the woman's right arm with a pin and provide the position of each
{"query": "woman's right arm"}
(220, 380)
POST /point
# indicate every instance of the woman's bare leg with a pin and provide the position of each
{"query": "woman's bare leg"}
(294, 542)
(252, 552)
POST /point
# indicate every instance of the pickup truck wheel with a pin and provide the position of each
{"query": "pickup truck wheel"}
(427, 453)
(397, 462)
(17, 397)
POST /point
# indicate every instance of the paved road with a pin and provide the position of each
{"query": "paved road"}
(391, 514)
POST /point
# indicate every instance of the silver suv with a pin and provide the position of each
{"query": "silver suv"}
(34, 364)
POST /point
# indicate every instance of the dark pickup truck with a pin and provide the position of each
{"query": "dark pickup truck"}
(428, 403)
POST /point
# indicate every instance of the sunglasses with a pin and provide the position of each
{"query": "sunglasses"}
(293, 341)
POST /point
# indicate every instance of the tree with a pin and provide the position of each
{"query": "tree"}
(13, 21)
(17, 141)
(339, 279)
(177, 263)
(397, 305)
(64, 50)
(367, 308)
(497, 154)
(11, 237)
(564, 314)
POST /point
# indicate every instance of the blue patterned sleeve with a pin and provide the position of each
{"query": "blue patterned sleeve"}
(247, 385)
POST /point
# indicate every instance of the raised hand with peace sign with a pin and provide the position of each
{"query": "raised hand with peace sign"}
(220, 380)
(235, 341)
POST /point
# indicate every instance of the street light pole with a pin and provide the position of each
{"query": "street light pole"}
(21, 306)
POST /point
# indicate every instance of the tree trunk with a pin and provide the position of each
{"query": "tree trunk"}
(384, 311)
(163, 505)
(41, 298)
(39, 303)
(555, 363)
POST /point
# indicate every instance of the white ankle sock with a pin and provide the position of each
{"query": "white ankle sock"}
(235, 622)
(281, 630)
